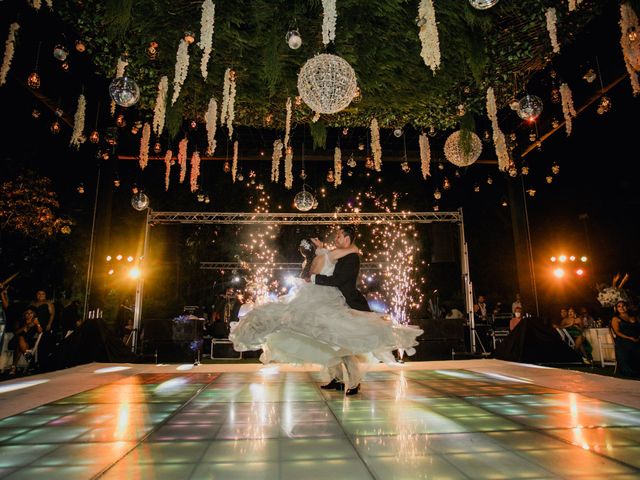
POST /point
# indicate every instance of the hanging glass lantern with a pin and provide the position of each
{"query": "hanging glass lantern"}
(397, 132)
(140, 201)
(436, 207)
(80, 188)
(303, 174)
(555, 123)
(604, 105)
(200, 197)
(135, 128)
(529, 108)
(437, 195)
(482, 4)
(189, 37)
(330, 177)
(111, 137)
(446, 184)
(124, 91)
(55, 127)
(489, 181)
(94, 137)
(524, 170)
(294, 40)
(80, 46)
(405, 167)
(33, 80)
(157, 148)
(152, 50)
(351, 162)
(555, 169)
(532, 137)
(504, 202)
(35, 113)
(226, 167)
(368, 163)
(240, 176)
(513, 171)
(121, 121)
(531, 192)
(549, 179)
(476, 188)
(60, 52)
(304, 200)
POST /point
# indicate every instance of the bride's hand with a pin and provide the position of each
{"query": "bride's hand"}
(317, 242)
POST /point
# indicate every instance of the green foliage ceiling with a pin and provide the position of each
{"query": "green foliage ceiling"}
(379, 38)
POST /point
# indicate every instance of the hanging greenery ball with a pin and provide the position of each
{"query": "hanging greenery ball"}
(455, 153)
(304, 201)
(327, 83)
(124, 91)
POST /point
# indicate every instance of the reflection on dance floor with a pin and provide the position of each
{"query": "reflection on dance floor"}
(417, 424)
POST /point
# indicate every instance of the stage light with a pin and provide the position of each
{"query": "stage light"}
(553, 259)
(583, 259)
(129, 258)
(558, 272)
(134, 273)
(118, 257)
(580, 272)
(562, 258)
(572, 258)
(108, 258)
(236, 279)
(110, 272)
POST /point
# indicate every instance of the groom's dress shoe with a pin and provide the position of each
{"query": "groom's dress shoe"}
(353, 391)
(333, 385)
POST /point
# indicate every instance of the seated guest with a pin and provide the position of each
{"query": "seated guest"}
(561, 326)
(25, 337)
(587, 320)
(517, 316)
(575, 329)
(626, 329)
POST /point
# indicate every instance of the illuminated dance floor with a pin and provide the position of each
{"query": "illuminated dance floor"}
(427, 420)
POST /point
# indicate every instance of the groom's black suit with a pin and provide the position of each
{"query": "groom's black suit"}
(344, 278)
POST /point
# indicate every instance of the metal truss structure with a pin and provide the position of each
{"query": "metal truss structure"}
(364, 266)
(159, 218)
(358, 218)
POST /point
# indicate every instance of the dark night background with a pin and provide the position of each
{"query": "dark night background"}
(591, 208)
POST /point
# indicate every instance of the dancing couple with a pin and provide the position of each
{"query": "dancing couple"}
(324, 319)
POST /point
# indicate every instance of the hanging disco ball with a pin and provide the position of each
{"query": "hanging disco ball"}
(482, 4)
(60, 52)
(304, 201)
(529, 108)
(294, 40)
(124, 91)
(140, 201)
(327, 83)
(456, 154)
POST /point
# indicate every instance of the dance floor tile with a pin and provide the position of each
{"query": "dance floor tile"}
(323, 469)
(168, 433)
(525, 440)
(235, 471)
(55, 473)
(597, 439)
(18, 455)
(27, 421)
(427, 467)
(8, 433)
(131, 471)
(168, 452)
(497, 465)
(102, 455)
(316, 449)
(570, 462)
(50, 435)
(242, 451)
(115, 434)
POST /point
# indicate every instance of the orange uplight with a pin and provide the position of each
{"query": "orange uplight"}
(562, 258)
(580, 272)
(572, 258)
(553, 259)
(134, 273)
(110, 272)
(558, 272)
(119, 257)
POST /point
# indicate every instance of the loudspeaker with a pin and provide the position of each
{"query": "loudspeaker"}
(443, 244)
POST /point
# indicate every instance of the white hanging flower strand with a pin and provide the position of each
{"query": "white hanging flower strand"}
(234, 163)
(182, 68)
(287, 125)
(499, 139)
(573, 4)
(428, 34)
(160, 109)
(227, 112)
(211, 118)
(9, 50)
(167, 168)
(329, 18)
(288, 169)
(121, 66)
(376, 149)
(630, 48)
(225, 97)
(337, 167)
(144, 145)
(49, 3)
(567, 107)
(206, 35)
(182, 158)
(77, 136)
(425, 155)
(278, 146)
(552, 21)
(195, 170)
(36, 4)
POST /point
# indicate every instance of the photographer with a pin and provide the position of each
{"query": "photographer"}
(25, 337)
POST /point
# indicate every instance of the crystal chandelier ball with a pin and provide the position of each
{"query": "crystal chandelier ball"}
(482, 4)
(304, 201)
(294, 40)
(124, 91)
(140, 201)
(60, 52)
(529, 107)
(327, 83)
(455, 153)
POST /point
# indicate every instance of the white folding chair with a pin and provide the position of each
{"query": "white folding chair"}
(606, 347)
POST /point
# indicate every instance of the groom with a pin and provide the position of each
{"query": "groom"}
(345, 276)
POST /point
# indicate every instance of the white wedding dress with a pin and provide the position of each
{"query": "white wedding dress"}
(313, 324)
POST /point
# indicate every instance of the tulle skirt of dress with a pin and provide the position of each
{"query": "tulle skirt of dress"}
(313, 324)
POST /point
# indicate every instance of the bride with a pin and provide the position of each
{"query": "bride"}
(313, 323)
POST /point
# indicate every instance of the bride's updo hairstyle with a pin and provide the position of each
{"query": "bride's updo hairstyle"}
(308, 251)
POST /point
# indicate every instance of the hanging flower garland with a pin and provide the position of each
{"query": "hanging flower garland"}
(36, 4)
(329, 18)
(195, 170)
(206, 34)
(144, 145)
(376, 149)
(77, 136)
(275, 160)
(337, 167)
(552, 20)
(288, 169)
(227, 112)
(567, 107)
(630, 44)
(182, 68)
(573, 4)
(225, 97)
(234, 164)
(120, 68)
(425, 155)
(160, 109)
(428, 34)
(287, 125)
(9, 50)
(167, 168)
(211, 118)
(499, 139)
(182, 158)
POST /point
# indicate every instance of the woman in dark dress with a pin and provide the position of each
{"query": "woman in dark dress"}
(25, 336)
(626, 329)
